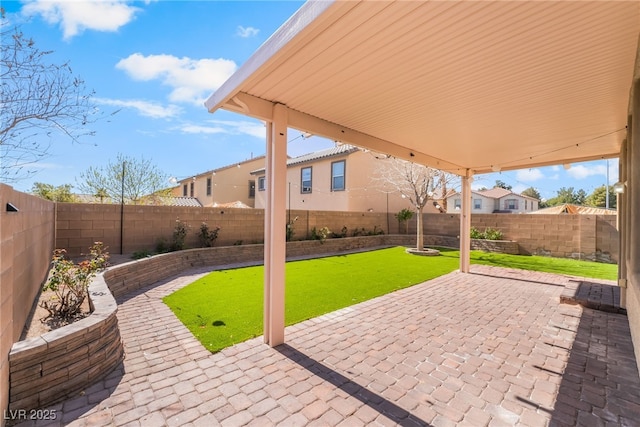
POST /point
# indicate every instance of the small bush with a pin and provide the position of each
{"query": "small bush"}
(70, 282)
(492, 234)
(321, 234)
(403, 217)
(208, 237)
(162, 246)
(143, 253)
(179, 236)
(488, 234)
(290, 230)
(476, 234)
(343, 233)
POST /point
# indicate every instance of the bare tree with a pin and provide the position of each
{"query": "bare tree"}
(39, 101)
(417, 183)
(126, 178)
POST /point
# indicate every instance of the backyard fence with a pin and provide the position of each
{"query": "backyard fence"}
(79, 225)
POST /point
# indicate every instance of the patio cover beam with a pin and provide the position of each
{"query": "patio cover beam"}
(258, 108)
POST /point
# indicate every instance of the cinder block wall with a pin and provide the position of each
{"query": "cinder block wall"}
(26, 243)
(79, 225)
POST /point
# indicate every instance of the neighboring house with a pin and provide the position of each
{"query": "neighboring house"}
(495, 200)
(341, 178)
(228, 184)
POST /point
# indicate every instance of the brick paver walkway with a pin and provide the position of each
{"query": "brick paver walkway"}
(494, 347)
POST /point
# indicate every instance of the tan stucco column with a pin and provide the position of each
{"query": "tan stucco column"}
(465, 224)
(275, 227)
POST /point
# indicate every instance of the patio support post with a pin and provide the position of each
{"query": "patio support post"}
(275, 227)
(465, 223)
(622, 226)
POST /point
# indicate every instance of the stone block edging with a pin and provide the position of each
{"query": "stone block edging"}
(47, 369)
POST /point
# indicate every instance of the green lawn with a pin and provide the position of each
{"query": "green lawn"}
(225, 307)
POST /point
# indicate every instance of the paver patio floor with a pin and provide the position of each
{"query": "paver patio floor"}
(494, 347)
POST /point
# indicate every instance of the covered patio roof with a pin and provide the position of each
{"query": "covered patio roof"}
(470, 87)
(464, 86)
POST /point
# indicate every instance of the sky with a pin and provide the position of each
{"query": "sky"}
(156, 62)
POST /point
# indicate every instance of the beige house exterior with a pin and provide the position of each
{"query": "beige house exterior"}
(228, 184)
(341, 178)
(494, 200)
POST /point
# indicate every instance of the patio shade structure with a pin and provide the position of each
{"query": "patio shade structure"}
(467, 87)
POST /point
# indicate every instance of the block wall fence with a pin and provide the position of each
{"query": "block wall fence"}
(26, 243)
(592, 237)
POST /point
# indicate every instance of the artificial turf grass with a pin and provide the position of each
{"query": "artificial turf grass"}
(570, 267)
(226, 307)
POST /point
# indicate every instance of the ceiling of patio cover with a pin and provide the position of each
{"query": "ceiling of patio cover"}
(458, 85)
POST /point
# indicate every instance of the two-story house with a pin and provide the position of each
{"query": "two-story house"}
(228, 184)
(341, 178)
(494, 200)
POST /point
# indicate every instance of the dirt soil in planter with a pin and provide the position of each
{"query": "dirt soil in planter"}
(34, 326)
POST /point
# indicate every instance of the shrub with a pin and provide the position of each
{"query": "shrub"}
(492, 234)
(403, 217)
(290, 230)
(142, 253)
(208, 237)
(70, 282)
(343, 233)
(179, 236)
(162, 246)
(321, 234)
(476, 234)
(488, 234)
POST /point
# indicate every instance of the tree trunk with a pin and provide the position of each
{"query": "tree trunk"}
(419, 234)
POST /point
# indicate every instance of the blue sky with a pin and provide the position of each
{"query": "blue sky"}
(157, 61)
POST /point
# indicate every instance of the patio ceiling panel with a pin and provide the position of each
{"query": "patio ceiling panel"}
(478, 84)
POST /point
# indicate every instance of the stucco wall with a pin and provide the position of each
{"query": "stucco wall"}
(364, 190)
(26, 243)
(630, 212)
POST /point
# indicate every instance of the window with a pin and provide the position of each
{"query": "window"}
(477, 203)
(261, 183)
(511, 204)
(184, 190)
(457, 204)
(305, 180)
(191, 188)
(208, 186)
(337, 176)
(252, 189)
(526, 205)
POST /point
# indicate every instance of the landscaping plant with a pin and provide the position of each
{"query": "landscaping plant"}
(179, 236)
(208, 237)
(403, 217)
(70, 282)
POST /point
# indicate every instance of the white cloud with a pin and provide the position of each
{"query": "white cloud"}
(528, 175)
(76, 16)
(144, 108)
(227, 127)
(202, 129)
(246, 32)
(582, 172)
(192, 80)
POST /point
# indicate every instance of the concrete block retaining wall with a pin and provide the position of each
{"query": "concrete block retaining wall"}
(48, 369)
